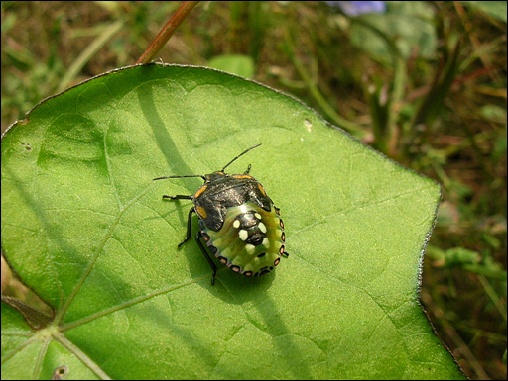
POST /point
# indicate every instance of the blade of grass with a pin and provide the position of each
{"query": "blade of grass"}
(493, 296)
(386, 133)
(351, 127)
(89, 52)
(434, 101)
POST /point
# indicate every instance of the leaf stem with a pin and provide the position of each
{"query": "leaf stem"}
(167, 31)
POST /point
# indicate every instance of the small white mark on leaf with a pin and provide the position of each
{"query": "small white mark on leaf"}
(308, 125)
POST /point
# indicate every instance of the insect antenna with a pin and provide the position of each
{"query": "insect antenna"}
(202, 176)
(178, 177)
(244, 152)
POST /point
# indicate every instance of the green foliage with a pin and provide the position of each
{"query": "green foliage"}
(495, 9)
(234, 63)
(409, 25)
(103, 244)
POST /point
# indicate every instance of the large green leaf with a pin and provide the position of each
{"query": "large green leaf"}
(84, 225)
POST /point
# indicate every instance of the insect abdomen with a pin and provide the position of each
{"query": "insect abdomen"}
(251, 240)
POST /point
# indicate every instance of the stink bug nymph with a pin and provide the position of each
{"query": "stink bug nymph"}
(238, 222)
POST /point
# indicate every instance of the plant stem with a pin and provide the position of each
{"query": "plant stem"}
(169, 29)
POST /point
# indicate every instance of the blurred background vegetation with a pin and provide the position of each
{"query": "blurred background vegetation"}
(423, 82)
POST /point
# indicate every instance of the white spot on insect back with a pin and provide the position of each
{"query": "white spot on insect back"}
(257, 215)
(262, 227)
(250, 248)
(236, 224)
(266, 243)
(243, 235)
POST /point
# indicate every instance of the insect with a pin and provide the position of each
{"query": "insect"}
(238, 222)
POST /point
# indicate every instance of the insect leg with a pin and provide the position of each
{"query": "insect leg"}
(178, 197)
(189, 224)
(207, 256)
(183, 197)
(248, 170)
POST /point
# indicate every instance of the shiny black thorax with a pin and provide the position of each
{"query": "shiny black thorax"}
(222, 191)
